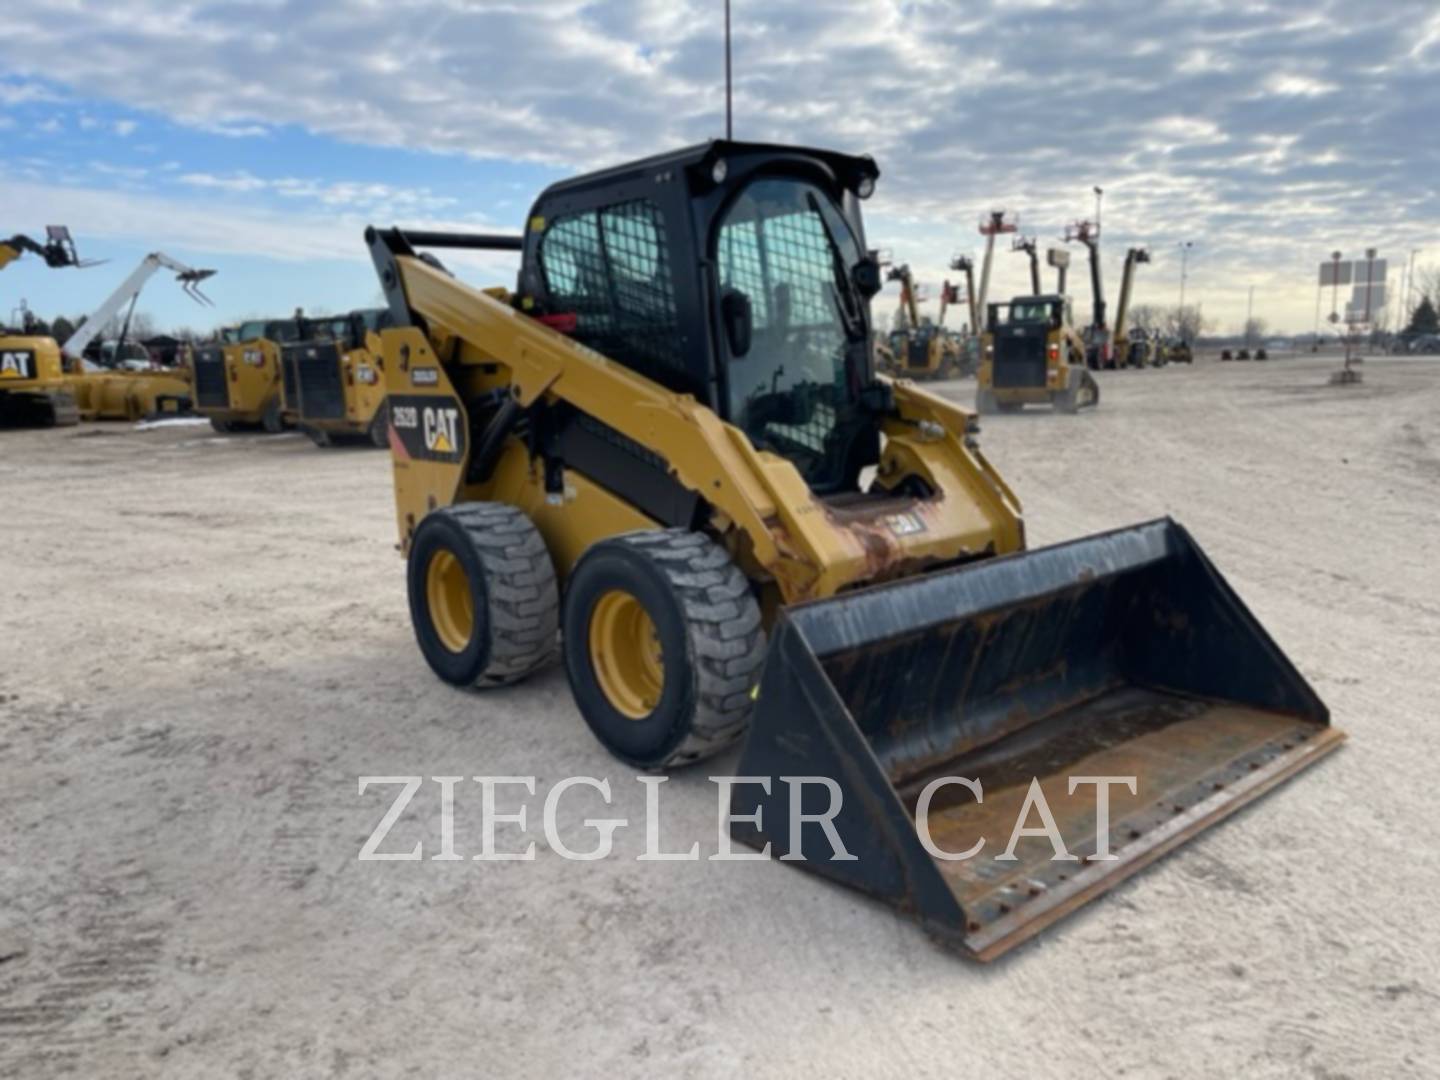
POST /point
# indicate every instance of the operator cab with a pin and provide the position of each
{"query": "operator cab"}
(735, 272)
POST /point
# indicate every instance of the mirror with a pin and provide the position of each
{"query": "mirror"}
(739, 325)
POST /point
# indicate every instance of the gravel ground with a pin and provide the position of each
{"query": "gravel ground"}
(208, 644)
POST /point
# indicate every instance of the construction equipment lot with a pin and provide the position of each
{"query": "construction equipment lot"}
(207, 646)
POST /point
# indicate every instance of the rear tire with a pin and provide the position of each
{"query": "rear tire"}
(663, 644)
(483, 598)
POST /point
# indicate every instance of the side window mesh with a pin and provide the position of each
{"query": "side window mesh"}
(611, 268)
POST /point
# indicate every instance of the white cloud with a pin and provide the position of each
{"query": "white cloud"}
(1212, 135)
(1291, 85)
(125, 128)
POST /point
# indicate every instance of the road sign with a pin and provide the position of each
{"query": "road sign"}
(1334, 274)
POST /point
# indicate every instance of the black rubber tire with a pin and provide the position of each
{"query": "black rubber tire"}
(512, 588)
(273, 420)
(379, 430)
(711, 638)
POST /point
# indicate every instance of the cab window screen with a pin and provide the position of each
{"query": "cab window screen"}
(611, 269)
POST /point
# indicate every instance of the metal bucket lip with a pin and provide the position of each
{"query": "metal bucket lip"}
(1098, 878)
(1047, 573)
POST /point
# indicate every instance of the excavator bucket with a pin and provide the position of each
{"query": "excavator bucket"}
(1123, 656)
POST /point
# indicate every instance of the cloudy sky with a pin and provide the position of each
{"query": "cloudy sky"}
(260, 137)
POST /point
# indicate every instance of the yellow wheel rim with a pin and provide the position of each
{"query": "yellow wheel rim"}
(625, 653)
(447, 594)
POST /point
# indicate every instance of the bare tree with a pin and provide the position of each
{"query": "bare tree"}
(1185, 323)
(1148, 317)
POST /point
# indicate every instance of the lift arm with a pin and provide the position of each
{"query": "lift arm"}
(188, 277)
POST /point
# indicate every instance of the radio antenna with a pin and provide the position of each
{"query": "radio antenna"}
(729, 121)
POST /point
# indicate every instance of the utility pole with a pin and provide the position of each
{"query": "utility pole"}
(1409, 284)
(1185, 246)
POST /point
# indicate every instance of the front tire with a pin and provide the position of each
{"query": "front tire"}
(483, 598)
(663, 644)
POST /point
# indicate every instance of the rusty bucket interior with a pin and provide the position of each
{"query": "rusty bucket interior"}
(1123, 656)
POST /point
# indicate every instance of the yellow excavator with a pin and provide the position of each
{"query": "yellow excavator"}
(332, 382)
(238, 377)
(666, 455)
(922, 350)
(32, 379)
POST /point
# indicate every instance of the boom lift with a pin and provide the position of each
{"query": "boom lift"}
(1130, 352)
(670, 441)
(1031, 247)
(1097, 334)
(32, 385)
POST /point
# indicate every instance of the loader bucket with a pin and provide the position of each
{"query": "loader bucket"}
(1120, 655)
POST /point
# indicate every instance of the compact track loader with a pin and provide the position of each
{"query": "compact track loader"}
(238, 378)
(1031, 354)
(332, 382)
(668, 448)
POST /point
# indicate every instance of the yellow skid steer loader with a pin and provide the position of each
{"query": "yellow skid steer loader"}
(332, 384)
(668, 448)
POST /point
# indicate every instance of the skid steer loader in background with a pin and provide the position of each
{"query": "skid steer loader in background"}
(669, 444)
(237, 379)
(332, 384)
(923, 350)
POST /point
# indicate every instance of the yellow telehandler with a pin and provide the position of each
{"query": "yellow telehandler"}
(668, 449)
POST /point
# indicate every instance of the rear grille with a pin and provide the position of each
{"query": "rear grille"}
(290, 378)
(314, 369)
(211, 389)
(1020, 359)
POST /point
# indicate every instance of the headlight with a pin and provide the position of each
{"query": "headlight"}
(866, 187)
(719, 171)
